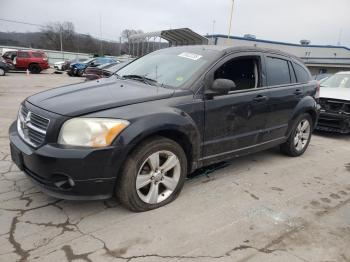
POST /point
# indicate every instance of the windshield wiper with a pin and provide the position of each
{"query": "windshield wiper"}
(141, 78)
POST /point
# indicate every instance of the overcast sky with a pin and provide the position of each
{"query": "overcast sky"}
(321, 21)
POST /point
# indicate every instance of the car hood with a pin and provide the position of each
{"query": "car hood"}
(84, 98)
(335, 93)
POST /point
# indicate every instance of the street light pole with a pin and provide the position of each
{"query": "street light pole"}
(230, 21)
(212, 38)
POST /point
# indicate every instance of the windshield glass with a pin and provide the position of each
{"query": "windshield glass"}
(169, 68)
(338, 80)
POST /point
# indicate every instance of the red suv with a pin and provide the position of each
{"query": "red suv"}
(35, 61)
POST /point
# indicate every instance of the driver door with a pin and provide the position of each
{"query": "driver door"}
(234, 122)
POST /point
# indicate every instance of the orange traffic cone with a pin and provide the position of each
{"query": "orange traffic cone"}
(27, 72)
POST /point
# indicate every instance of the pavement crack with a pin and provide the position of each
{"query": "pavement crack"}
(71, 256)
(24, 254)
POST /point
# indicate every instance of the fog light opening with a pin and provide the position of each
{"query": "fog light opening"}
(63, 181)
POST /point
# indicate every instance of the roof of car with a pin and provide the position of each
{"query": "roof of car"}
(230, 49)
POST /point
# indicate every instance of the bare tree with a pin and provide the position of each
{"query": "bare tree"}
(60, 35)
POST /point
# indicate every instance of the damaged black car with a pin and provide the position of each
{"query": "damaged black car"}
(138, 134)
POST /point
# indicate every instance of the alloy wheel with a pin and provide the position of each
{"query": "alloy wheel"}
(158, 177)
(302, 135)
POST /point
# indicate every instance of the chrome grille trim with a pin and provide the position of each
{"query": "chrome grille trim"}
(32, 127)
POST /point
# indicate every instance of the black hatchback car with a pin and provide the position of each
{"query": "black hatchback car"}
(138, 134)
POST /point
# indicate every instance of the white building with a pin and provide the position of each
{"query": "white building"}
(318, 58)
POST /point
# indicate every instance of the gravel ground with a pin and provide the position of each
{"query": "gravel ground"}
(263, 207)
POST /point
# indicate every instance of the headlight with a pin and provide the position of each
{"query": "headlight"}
(91, 132)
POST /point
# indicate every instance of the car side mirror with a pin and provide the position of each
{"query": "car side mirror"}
(222, 86)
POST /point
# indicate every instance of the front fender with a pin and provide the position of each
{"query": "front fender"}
(169, 122)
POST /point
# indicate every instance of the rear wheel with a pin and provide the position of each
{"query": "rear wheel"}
(299, 138)
(34, 68)
(153, 175)
(2, 72)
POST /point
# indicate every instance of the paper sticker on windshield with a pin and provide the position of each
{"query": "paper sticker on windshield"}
(190, 56)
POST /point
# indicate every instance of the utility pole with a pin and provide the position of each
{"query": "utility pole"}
(230, 21)
(212, 38)
(61, 42)
(340, 36)
(120, 45)
(101, 44)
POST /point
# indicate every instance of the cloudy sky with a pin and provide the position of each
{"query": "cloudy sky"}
(321, 21)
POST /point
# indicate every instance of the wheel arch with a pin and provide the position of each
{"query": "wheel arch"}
(174, 125)
(307, 105)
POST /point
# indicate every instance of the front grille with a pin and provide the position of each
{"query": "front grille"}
(32, 127)
(335, 106)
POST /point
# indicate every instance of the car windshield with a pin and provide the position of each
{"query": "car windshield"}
(168, 68)
(338, 80)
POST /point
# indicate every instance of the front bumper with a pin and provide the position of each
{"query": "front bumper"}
(86, 174)
(331, 122)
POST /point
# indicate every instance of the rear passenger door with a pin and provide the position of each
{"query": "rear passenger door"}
(284, 95)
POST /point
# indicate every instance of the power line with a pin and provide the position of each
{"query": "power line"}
(20, 22)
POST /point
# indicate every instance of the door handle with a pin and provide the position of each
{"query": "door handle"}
(260, 98)
(298, 92)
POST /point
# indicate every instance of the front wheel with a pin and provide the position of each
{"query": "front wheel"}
(299, 138)
(2, 72)
(153, 175)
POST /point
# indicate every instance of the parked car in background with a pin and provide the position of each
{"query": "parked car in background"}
(106, 71)
(322, 77)
(33, 60)
(67, 63)
(78, 69)
(4, 67)
(59, 65)
(93, 73)
(335, 103)
(139, 133)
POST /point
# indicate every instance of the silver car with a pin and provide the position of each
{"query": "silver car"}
(335, 103)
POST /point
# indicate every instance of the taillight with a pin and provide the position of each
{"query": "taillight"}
(318, 89)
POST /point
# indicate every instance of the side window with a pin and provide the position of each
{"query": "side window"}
(244, 71)
(277, 71)
(23, 55)
(302, 75)
(37, 54)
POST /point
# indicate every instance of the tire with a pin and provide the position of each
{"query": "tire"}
(138, 170)
(34, 68)
(2, 72)
(80, 73)
(299, 138)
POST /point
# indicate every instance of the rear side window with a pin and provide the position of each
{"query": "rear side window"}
(36, 54)
(277, 71)
(23, 55)
(302, 75)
